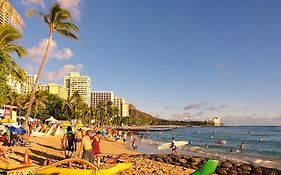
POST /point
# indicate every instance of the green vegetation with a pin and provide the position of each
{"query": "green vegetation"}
(8, 66)
(46, 105)
(131, 121)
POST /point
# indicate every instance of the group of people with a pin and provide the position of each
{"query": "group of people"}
(83, 143)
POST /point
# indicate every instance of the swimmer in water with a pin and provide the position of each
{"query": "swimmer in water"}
(206, 146)
(260, 139)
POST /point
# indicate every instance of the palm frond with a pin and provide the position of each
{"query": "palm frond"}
(67, 26)
(16, 48)
(32, 12)
(67, 33)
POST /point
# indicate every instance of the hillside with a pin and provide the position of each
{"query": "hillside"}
(134, 112)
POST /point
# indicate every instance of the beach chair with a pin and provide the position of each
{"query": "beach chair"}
(208, 168)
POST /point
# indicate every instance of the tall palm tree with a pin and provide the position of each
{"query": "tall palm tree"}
(58, 20)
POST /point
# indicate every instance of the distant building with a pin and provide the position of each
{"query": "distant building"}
(9, 16)
(216, 121)
(100, 96)
(52, 88)
(31, 79)
(15, 85)
(59, 90)
(75, 82)
(123, 107)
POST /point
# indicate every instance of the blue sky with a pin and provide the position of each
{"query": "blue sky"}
(174, 59)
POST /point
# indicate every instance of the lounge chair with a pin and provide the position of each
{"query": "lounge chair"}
(208, 168)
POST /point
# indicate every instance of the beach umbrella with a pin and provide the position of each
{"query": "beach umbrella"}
(7, 120)
(19, 130)
(79, 125)
(65, 124)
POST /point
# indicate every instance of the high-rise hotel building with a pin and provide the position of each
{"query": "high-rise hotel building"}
(100, 97)
(76, 82)
(9, 16)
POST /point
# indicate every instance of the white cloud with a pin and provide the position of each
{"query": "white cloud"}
(36, 2)
(195, 106)
(30, 68)
(36, 52)
(63, 54)
(53, 76)
(73, 6)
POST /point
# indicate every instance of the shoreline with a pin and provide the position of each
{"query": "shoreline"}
(49, 147)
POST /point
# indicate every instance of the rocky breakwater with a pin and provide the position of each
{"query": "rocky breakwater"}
(225, 167)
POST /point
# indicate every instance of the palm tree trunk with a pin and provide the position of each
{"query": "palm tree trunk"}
(32, 96)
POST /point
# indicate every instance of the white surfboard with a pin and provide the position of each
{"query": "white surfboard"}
(168, 145)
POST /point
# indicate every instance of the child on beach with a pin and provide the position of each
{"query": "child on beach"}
(134, 146)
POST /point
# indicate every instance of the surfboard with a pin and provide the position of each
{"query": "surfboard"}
(168, 145)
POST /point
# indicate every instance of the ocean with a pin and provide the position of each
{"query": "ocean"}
(262, 144)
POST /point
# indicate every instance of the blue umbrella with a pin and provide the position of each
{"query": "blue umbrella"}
(19, 130)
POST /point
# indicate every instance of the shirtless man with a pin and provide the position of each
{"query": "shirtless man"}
(86, 147)
(78, 139)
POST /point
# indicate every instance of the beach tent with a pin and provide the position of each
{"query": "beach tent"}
(51, 120)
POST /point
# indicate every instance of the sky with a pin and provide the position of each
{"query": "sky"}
(179, 60)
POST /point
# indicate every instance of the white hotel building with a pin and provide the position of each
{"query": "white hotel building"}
(76, 82)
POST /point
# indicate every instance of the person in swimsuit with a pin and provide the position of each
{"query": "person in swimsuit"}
(86, 147)
(96, 146)
(68, 142)
(78, 139)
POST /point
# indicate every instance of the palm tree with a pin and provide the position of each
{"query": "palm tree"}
(58, 20)
(8, 36)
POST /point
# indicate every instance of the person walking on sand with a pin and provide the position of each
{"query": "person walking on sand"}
(78, 139)
(134, 146)
(173, 146)
(86, 147)
(68, 142)
(125, 137)
(96, 146)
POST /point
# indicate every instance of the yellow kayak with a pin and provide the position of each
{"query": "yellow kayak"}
(68, 171)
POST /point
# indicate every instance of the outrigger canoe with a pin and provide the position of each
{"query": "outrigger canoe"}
(68, 171)
(52, 169)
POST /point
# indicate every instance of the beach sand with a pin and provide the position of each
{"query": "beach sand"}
(43, 148)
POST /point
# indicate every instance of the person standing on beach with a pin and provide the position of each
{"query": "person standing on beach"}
(86, 147)
(242, 146)
(125, 137)
(78, 139)
(96, 146)
(173, 146)
(68, 142)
